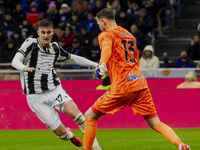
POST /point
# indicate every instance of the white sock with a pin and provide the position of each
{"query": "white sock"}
(67, 136)
(80, 120)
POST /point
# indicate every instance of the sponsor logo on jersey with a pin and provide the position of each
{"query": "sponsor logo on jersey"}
(133, 77)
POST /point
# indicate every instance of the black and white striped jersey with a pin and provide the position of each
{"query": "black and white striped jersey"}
(43, 59)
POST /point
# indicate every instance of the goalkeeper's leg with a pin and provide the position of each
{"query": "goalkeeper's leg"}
(163, 129)
(90, 128)
(80, 120)
(72, 110)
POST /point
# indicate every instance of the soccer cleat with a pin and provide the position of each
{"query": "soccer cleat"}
(75, 140)
(184, 147)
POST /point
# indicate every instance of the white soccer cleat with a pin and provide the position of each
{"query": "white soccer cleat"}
(184, 147)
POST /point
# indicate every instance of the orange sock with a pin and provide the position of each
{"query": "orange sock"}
(90, 133)
(168, 133)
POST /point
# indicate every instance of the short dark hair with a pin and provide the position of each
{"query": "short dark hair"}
(106, 13)
(45, 23)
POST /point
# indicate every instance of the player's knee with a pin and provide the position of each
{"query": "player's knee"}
(152, 121)
(87, 114)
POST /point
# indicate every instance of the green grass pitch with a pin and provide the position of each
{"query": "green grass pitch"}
(115, 139)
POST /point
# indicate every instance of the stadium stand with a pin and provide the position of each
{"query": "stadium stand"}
(173, 40)
(180, 36)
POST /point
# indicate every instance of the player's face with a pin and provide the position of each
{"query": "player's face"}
(45, 35)
(101, 24)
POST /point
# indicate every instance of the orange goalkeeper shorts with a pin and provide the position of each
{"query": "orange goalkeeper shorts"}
(141, 103)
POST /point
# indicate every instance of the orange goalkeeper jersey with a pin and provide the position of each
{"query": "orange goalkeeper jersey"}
(119, 53)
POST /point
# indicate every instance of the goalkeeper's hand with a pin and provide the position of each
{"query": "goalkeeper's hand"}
(101, 71)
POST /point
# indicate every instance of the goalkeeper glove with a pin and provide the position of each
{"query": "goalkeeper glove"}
(101, 71)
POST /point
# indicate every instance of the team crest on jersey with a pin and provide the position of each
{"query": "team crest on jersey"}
(51, 50)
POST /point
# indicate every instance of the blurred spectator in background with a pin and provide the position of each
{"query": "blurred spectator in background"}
(9, 5)
(85, 38)
(174, 4)
(76, 4)
(95, 50)
(90, 21)
(3, 38)
(33, 15)
(64, 12)
(18, 14)
(9, 51)
(198, 28)
(1, 15)
(80, 7)
(123, 19)
(77, 49)
(164, 12)
(116, 7)
(91, 24)
(148, 59)
(145, 23)
(152, 11)
(97, 7)
(141, 39)
(52, 13)
(183, 61)
(9, 25)
(190, 82)
(75, 23)
(17, 39)
(61, 42)
(194, 49)
(26, 29)
(68, 35)
(133, 10)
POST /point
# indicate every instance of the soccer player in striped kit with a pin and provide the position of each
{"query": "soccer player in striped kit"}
(36, 59)
(120, 59)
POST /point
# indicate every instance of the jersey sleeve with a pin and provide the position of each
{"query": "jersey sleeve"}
(25, 46)
(64, 55)
(106, 47)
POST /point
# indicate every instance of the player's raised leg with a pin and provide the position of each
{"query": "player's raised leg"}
(166, 131)
(72, 110)
(66, 134)
(49, 116)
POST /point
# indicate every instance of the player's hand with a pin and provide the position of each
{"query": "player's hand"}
(101, 71)
(29, 69)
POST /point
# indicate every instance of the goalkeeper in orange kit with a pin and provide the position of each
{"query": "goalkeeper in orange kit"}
(120, 60)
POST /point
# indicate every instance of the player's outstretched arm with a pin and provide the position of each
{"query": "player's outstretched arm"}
(17, 63)
(78, 60)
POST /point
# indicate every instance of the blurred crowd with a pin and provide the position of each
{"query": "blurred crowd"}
(76, 29)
